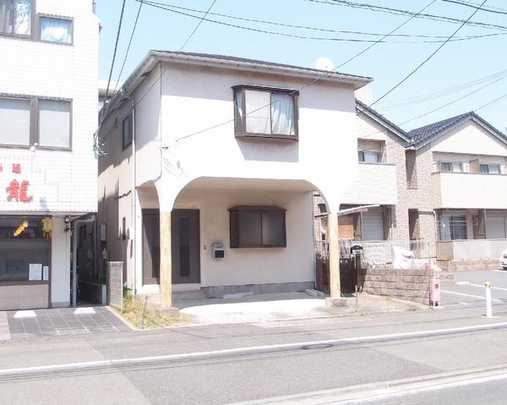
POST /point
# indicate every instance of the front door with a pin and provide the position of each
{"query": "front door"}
(186, 263)
(151, 246)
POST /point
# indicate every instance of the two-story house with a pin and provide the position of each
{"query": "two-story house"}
(48, 115)
(208, 168)
(460, 172)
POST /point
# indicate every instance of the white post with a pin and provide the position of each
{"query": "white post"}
(489, 309)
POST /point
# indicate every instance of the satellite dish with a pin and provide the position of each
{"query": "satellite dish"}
(324, 63)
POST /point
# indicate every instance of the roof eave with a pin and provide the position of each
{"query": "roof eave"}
(355, 81)
(382, 122)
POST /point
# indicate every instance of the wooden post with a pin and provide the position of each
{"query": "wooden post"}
(334, 256)
(165, 260)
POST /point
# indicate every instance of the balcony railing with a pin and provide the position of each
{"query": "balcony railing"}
(376, 184)
(471, 249)
(469, 190)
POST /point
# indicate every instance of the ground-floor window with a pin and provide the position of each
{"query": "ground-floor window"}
(24, 250)
(254, 227)
(453, 227)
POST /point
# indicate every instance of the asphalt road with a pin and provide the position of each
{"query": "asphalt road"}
(467, 290)
(256, 377)
(233, 378)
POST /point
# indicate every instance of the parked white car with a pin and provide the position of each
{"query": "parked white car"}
(503, 260)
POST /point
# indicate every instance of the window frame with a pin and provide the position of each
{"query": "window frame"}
(453, 164)
(234, 226)
(34, 122)
(33, 26)
(55, 17)
(376, 152)
(130, 118)
(240, 125)
(488, 166)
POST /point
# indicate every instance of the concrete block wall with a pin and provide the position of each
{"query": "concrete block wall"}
(410, 285)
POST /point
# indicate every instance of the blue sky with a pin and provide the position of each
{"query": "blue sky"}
(457, 63)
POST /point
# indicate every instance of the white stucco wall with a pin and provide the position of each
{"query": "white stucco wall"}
(178, 100)
(194, 99)
(293, 263)
(60, 263)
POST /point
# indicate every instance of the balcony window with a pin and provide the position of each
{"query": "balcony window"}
(451, 167)
(257, 227)
(453, 227)
(367, 156)
(16, 17)
(57, 30)
(15, 121)
(490, 169)
(267, 113)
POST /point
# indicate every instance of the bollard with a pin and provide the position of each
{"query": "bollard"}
(435, 292)
(489, 309)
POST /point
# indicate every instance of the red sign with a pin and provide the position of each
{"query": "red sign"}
(17, 190)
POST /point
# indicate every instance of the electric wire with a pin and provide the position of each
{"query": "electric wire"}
(198, 25)
(129, 44)
(427, 59)
(118, 31)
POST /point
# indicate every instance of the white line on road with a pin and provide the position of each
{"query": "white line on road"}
(468, 295)
(136, 361)
(390, 389)
(479, 285)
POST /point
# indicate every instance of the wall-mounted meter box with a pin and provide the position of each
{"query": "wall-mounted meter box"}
(218, 250)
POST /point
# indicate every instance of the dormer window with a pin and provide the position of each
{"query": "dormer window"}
(265, 113)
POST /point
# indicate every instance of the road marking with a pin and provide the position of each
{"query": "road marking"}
(240, 351)
(390, 389)
(25, 314)
(479, 285)
(468, 295)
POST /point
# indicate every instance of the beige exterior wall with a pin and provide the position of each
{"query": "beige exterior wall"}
(253, 266)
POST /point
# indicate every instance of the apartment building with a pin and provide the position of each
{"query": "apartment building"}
(209, 167)
(48, 115)
(437, 190)
(460, 172)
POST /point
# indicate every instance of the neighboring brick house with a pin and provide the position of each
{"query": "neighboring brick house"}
(461, 168)
(438, 189)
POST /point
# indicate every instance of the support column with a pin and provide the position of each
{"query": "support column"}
(166, 285)
(334, 256)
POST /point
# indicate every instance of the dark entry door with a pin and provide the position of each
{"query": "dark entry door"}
(151, 246)
(186, 263)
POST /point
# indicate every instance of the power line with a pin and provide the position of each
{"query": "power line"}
(453, 101)
(427, 59)
(168, 8)
(197, 26)
(313, 28)
(129, 44)
(491, 102)
(397, 11)
(445, 92)
(465, 4)
(363, 51)
(118, 31)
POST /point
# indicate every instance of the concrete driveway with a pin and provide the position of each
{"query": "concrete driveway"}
(467, 290)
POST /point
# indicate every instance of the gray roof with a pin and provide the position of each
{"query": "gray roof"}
(382, 120)
(423, 135)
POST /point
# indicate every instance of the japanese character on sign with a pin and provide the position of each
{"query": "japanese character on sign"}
(16, 168)
(18, 191)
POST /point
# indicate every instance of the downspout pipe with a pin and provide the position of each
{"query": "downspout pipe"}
(75, 236)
